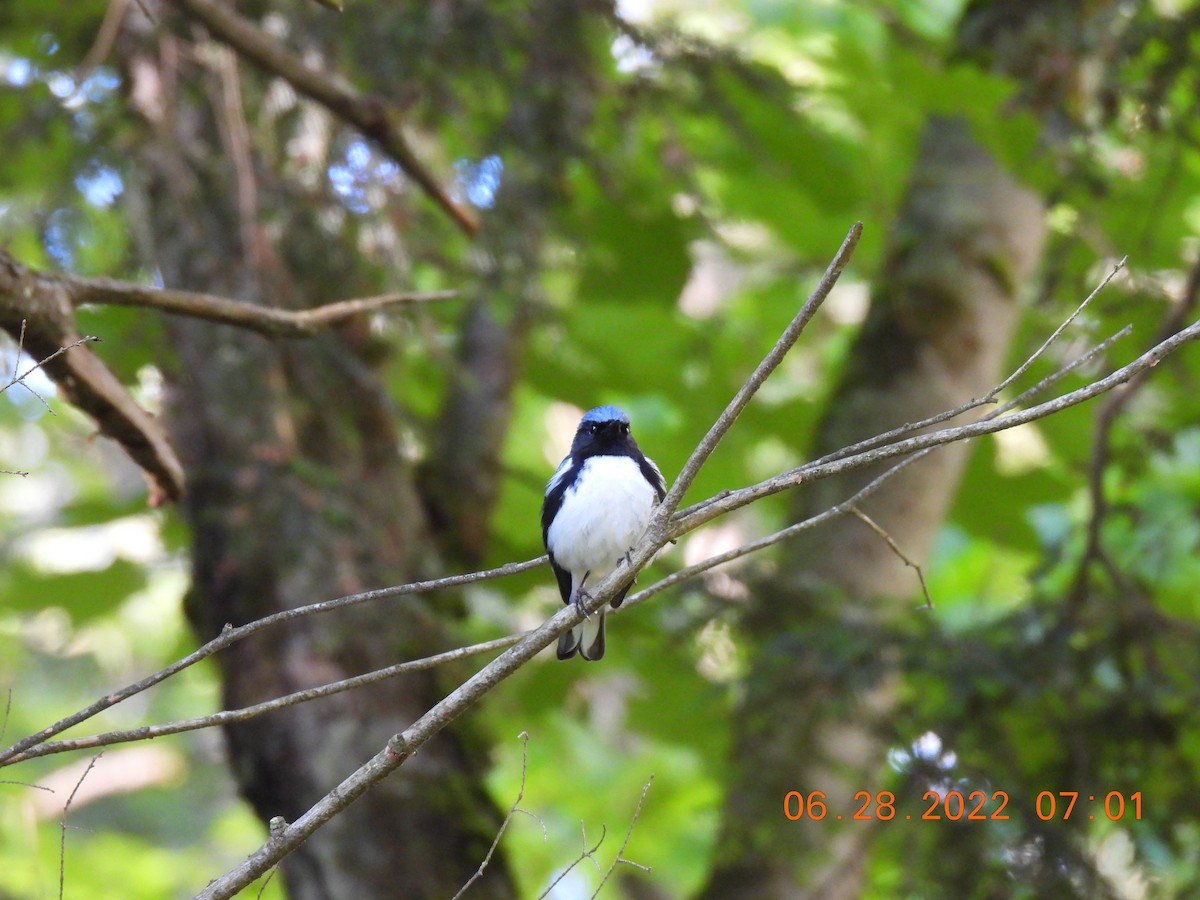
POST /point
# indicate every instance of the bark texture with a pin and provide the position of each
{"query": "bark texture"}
(298, 492)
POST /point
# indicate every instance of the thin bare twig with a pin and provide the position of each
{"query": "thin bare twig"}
(20, 378)
(231, 635)
(760, 374)
(1024, 367)
(267, 320)
(1106, 419)
(731, 500)
(230, 716)
(62, 824)
(584, 853)
(262, 887)
(620, 857)
(895, 548)
(842, 508)
(975, 403)
(513, 810)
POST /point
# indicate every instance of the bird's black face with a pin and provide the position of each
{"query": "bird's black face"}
(601, 437)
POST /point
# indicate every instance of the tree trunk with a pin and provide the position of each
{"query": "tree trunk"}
(298, 492)
(828, 627)
(297, 487)
(824, 677)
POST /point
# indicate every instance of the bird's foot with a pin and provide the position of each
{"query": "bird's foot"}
(581, 598)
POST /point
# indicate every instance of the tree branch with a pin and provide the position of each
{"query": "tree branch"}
(1106, 419)
(373, 116)
(231, 635)
(265, 320)
(62, 825)
(512, 811)
(38, 305)
(729, 501)
(584, 853)
(861, 494)
(770, 362)
(225, 717)
(38, 308)
(620, 857)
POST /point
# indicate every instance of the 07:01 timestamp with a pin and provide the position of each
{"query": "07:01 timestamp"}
(954, 806)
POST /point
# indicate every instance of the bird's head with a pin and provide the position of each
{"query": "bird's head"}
(601, 429)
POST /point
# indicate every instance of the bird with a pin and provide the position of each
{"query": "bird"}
(597, 506)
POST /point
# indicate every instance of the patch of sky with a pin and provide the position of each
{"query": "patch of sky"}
(58, 238)
(480, 181)
(16, 71)
(99, 185)
(361, 179)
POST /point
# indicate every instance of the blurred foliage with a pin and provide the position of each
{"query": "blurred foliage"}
(729, 151)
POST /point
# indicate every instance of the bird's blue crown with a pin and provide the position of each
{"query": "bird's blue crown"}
(606, 414)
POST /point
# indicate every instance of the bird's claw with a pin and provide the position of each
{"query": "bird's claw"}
(581, 597)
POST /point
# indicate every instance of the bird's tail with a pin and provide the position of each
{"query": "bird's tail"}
(586, 639)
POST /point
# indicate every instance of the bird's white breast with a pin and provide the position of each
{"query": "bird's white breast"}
(602, 515)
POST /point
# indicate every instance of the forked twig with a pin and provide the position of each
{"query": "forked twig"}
(584, 853)
(513, 810)
(620, 857)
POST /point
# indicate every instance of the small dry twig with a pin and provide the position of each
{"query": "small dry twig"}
(267, 320)
(62, 824)
(18, 377)
(620, 857)
(513, 810)
(895, 548)
(584, 853)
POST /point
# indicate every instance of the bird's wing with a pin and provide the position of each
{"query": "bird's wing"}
(652, 474)
(563, 477)
(564, 579)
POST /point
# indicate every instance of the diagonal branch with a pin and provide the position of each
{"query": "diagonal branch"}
(700, 513)
(373, 116)
(40, 305)
(760, 374)
(287, 836)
